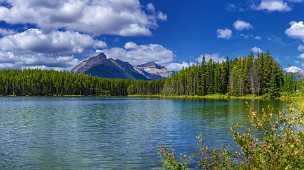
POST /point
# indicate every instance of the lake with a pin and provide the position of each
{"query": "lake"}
(97, 133)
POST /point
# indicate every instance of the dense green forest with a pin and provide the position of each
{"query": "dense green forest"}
(250, 75)
(260, 75)
(55, 83)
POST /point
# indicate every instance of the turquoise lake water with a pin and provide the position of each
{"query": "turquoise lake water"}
(95, 133)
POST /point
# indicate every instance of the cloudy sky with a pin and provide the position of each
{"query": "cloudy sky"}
(58, 34)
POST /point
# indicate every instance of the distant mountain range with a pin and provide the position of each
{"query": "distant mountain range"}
(297, 72)
(101, 66)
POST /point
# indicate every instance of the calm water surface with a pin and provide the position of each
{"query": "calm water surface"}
(109, 133)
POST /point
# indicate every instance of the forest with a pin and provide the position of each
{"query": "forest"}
(260, 75)
(55, 83)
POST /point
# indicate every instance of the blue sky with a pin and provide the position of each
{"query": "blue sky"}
(61, 33)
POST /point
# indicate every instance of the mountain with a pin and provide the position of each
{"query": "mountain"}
(101, 66)
(154, 70)
(297, 72)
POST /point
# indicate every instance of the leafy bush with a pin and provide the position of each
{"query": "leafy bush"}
(276, 141)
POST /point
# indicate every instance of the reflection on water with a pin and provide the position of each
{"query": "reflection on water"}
(109, 133)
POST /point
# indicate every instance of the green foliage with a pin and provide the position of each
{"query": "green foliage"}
(250, 75)
(279, 145)
(171, 162)
(55, 83)
(293, 85)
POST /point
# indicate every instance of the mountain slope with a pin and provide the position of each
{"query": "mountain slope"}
(154, 71)
(100, 66)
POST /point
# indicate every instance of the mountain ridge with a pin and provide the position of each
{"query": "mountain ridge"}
(101, 66)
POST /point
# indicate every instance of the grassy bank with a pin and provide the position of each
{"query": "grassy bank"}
(221, 97)
(294, 96)
(210, 97)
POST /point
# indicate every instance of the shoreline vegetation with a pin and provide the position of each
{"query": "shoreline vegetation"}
(279, 144)
(221, 97)
(211, 97)
(207, 97)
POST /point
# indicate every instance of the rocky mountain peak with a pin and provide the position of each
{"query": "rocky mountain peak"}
(150, 65)
(89, 63)
(101, 66)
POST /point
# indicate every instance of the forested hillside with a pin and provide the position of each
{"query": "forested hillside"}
(260, 75)
(249, 75)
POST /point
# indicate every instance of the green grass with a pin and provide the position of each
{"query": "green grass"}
(211, 97)
(222, 97)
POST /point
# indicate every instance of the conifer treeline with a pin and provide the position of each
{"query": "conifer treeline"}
(54, 83)
(242, 76)
(259, 75)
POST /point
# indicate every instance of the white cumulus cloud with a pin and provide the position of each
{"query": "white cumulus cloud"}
(175, 66)
(137, 54)
(116, 17)
(34, 48)
(130, 45)
(224, 33)
(293, 69)
(241, 25)
(12, 59)
(273, 5)
(214, 57)
(162, 16)
(256, 50)
(35, 40)
(4, 32)
(296, 30)
(301, 48)
(295, 1)
(178, 66)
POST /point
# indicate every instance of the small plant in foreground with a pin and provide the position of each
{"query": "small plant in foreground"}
(276, 142)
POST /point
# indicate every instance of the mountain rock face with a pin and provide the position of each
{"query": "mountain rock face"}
(154, 70)
(101, 66)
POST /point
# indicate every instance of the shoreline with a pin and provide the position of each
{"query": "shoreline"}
(221, 97)
(186, 97)
(207, 97)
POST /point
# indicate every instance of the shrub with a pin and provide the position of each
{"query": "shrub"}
(276, 141)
